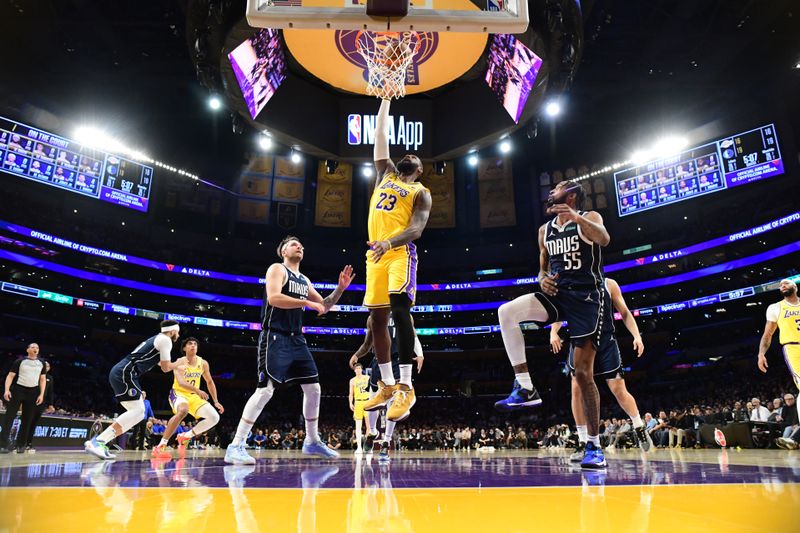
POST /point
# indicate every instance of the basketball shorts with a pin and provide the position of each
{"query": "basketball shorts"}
(124, 383)
(791, 354)
(194, 401)
(607, 361)
(586, 310)
(395, 273)
(285, 359)
(358, 411)
(375, 370)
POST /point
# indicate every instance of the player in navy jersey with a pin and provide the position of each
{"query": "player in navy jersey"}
(283, 355)
(124, 379)
(572, 285)
(375, 382)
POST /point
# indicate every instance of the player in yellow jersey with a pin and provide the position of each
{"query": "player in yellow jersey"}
(398, 212)
(785, 316)
(186, 397)
(358, 396)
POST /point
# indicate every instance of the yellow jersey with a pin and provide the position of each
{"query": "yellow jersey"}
(360, 388)
(391, 207)
(192, 374)
(788, 320)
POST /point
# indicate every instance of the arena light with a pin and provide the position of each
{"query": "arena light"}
(367, 170)
(214, 102)
(264, 142)
(295, 156)
(553, 108)
(505, 146)
(669, 145)
(472, 160)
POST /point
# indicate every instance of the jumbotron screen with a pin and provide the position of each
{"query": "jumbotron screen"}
(735, 160)
(511, 71)
(259, 64)
(52, 160)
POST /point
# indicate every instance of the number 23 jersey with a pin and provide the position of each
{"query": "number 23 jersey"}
(391, 207)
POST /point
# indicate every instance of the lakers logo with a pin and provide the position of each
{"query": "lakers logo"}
(348, 43)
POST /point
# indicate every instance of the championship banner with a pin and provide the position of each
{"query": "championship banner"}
(255, 189)
(334, 196)
(286, 169)
(443, 210)
(496, 192)
(253, 211)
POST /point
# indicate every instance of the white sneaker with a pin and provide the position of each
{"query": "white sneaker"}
(98, 449)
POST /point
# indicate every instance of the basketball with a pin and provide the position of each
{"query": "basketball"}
(396, 53)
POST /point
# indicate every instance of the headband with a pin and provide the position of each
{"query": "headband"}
(174, 327)
(287, 244)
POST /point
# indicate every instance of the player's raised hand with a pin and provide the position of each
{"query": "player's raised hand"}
(378, 249)
(638, 346)
(549, 284)
(316, 306)
(762, 362)
(564, 211)
(555, 343)
(346, 276)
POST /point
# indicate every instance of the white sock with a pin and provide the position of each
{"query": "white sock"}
(583, 435)
(595, 440)
(387, 374)
(524, 379)
(637, 421)
(311, 396)
(358, 434)
(387, 435)
(405, 375)
(372, 417)
(163, 442)
(107, 435)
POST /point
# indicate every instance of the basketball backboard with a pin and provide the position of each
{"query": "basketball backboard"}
(496, 16)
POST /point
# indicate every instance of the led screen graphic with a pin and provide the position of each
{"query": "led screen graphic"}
(735, 160)
(511, 72)
(260, 67)
(52, 160)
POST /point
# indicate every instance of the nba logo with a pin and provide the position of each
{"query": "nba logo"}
(354, 129)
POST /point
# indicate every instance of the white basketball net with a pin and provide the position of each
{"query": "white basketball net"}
(388, 56)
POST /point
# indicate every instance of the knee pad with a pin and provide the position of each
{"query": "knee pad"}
(311, 390)
(262, 395)
(134, 413)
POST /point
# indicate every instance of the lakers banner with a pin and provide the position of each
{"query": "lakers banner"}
(286, 169)
(253, 211)
(496, 191)
(334, 195)
(288, 185)
(443, 211)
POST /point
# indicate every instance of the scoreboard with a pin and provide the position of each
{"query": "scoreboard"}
(52, 160)
(716, 166)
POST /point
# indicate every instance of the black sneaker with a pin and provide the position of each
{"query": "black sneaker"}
(20, 450)
(643, 439)
(369, 444)
(577, 455)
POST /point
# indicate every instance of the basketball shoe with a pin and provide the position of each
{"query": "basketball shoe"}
(382, 397)
(404, 400)
(160, 452)
(383, 456)
(643, 439)
(593, 457)
(519, 399)
(577, 455)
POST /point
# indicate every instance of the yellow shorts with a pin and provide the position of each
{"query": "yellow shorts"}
(358, 409)
(791, 354)
(194, 401)
(395, 273)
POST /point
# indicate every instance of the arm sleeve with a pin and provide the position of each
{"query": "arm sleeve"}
(164, 346)
(418, 347)
(773, 311)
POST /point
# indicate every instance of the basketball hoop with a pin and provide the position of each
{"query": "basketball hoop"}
(388, 56)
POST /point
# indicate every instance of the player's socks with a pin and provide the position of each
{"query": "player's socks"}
(594, 440)
(387, 435)
(312, 429)
(524, 379)
(163, 442)
(358, 434)
(583, 434)
(405, 375)
(637, 421)
(387, 374)
(107, 435)
(372, 417)
(242, 431)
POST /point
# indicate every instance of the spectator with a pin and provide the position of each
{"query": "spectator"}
(759, 413)
(621, 434)
(660, 432)
(275, 440)
(776, 411)
(466, 438)
(260, 440)
(739, 413)
(288, 442)
(677, 433)
(334, 442)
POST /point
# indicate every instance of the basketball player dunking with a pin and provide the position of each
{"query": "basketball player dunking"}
(785, 316)
(124, 379)
(398, 213)
(571, 280)
(375, 382)
(608, 365)
(283, 355)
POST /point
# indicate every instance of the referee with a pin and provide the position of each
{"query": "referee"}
(24, 386)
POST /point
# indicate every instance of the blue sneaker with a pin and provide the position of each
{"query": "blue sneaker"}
(98, 449)
(314, 478)
(236, 455)
(319, 448)
(235, 475)
(519, 399)
(593, 457)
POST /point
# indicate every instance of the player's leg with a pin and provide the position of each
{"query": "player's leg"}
(405, 395)
(383, 346)
(11, 413)
(386, 441)
(628, 403)
(529, 307)
(359, 423)
(209, 417)
(580, 421)
(376, 299)
(584, 355)
(134, 413)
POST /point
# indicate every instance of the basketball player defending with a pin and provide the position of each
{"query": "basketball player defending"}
(186, 397)
(358, 395)
(124, 379)
(283, 355)
(375, 383)
(398, 213)
(571, 280)
(608, 365)
(784, 315)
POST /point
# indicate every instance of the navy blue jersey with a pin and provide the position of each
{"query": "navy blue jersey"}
(286, 320)
(577, 261)
(143, 358)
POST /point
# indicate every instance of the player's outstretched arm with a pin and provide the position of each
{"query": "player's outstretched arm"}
(627, 316)
(212, 387)
(383, 163)
(346, 277)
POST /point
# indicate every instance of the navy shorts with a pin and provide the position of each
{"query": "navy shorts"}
(375, 370)
(587, 311)
(285, 359)
(607, 362)
(125, 382)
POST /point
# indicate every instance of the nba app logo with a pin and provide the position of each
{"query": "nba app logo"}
(354, 129)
